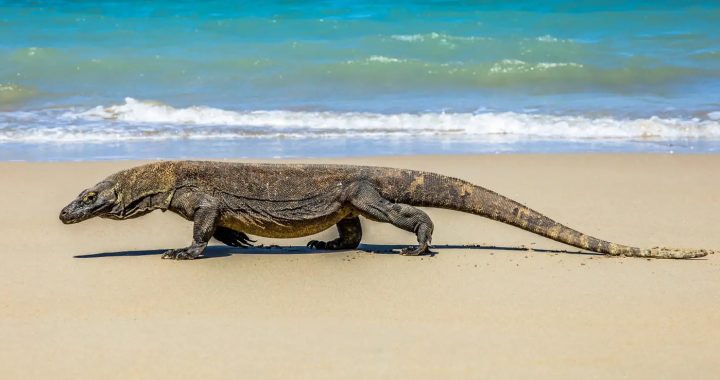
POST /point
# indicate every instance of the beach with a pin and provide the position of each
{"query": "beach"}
(94, 300)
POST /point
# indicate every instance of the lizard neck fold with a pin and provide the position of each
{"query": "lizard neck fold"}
(143, 189)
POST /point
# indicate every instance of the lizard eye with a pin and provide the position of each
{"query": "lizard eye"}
(90, 197)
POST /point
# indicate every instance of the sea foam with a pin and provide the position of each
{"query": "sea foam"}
(145, 120)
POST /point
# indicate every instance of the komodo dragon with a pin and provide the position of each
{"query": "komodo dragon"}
(229, 200)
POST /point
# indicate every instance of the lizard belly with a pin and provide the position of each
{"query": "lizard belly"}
(282, 228)
(304, 215)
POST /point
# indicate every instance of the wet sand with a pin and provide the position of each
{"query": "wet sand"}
(95, 300)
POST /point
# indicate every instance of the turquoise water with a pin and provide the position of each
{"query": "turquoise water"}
(124, 79)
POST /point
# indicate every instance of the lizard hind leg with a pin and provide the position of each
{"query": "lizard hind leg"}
(232, 238)
(372, 205)
(350, 236)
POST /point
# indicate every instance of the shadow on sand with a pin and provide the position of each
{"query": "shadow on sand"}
(216, 251)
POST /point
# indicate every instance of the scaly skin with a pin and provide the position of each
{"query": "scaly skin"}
(230, 200)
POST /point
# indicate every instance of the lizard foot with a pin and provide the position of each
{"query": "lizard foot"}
(317, 244)
(419, 251)
(337, 244)
(189, 253)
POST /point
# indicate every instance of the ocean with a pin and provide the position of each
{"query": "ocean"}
(93, 80)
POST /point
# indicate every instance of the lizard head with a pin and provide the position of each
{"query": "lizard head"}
(98, 200)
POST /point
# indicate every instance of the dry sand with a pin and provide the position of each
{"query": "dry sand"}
(95, 301)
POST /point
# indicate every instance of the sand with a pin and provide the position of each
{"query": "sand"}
(95, 300)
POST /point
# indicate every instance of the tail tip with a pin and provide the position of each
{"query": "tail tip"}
(675, 253)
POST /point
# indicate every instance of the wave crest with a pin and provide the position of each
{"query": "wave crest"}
(145, 120)
(508, 66)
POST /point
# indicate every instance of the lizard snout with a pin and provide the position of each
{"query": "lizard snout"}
(75, 212)
(66, 215)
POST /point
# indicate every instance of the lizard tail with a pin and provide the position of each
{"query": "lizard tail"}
(434, 190)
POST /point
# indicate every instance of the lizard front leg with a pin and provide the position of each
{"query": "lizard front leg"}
(205, 218)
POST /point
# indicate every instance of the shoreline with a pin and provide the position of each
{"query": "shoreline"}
(337, 148)
(95, 300)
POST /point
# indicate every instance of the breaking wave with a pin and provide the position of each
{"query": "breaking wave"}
(145, 120)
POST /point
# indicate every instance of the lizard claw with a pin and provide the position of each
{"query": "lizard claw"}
(169, 254)
(180, 254)
(421, 250)
(317, 244)
(185, 255)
